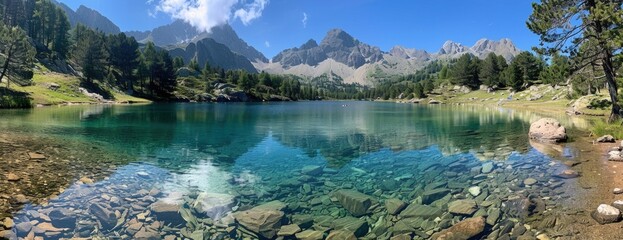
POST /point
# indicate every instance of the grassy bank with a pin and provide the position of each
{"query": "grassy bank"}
(50, 88)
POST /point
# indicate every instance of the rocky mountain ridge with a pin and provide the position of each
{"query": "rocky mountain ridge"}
(90, 18)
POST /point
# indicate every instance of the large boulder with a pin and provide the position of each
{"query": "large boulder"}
(548, 130)
(262, 220)
(213, 205)
(356, 203)
(465, 229)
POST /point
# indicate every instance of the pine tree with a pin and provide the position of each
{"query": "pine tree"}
(558, 71)
(16, 54)
(490, 72)
(90, 53)
(568, 25)
(124, 55)
(465, 71)
(194, 65)
(514, 76)
(61, 42)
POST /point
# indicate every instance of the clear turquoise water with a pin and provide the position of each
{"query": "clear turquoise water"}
(251, 150)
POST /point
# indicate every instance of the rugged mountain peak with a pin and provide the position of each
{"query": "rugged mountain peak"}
(451, 48)
(311, 43)
(504, 47)
(338, 38)
(89, 18)
(407, 53)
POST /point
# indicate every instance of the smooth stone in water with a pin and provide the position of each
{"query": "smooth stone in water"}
(463, 207)
(394, 206)
(567, 174)
(434, 195)
(465, 229)
(487, 167)
(36, 156)
(341, 235)
(23, 228)
(213, 205)
(310, 235)
(359, 227)
(312, 170)
(104, 214)
(262, 220)
(606, 214)
(617, 191)
(422, 211)
(288, 230)
(8, 223)
(168, 212)
(62, 218)
(529, 181)
(474, 191)
(355, 202)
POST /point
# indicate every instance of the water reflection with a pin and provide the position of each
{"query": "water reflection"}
(199, 168)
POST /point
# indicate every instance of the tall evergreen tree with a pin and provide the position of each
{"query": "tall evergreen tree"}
(90, 53)
(465, 71)
(124, 55)
(567, 25)
(558, 71)
(490, 71)
(61, 43)
(16, 54)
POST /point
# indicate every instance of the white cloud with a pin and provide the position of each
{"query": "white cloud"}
(267, 44)
(304, 21)
(206, 14)
(251, 11)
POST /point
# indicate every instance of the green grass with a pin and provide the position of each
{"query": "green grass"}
(68, 91)
(601, 127)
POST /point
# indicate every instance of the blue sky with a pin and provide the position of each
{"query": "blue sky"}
(383, 23)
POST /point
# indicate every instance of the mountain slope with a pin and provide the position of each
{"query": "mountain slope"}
(180, 32)
(90, 18)
(337, 45)
(208, 50)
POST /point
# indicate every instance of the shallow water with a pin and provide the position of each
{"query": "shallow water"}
(244, 155)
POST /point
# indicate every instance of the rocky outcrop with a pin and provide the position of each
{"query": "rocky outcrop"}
(548, 130)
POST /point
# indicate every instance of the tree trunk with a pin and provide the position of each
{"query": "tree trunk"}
(612, 87)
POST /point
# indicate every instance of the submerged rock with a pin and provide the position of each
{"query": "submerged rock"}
(606, 214)
(474, 191)
(463, 207)
(423, 211)
(312, 170)
(568, 174)
(355, 202)
(548, 130)
(394, 206)
(310, 235)
(434, 195)
(465, 229)
(358, 227)
(106, 218)
(62, 218)
(168, 212)
(288, 230)
(262, 220)
(213, 205)
(341, 235)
